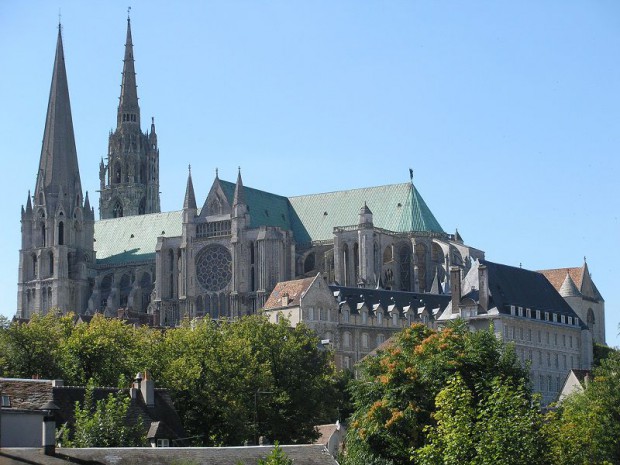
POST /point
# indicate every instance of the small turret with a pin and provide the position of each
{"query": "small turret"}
(365, 217)
(239, 206)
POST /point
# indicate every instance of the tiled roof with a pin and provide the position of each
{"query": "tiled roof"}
(294, 289)
(580, 276)
(396, 207)
(133, 238)
(300, 454)
(558, 275)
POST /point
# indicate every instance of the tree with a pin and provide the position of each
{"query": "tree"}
(234, 381)
(106, 349)
(34, 349)
(276, 457)
(585, 428)
(103, 423)
(395, 397)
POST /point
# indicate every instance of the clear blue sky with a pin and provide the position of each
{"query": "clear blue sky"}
(508, 112)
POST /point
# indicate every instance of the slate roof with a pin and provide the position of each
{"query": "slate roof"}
(30, 394)
(294, 289)
(355, 295)
(510, 285)
(133, 239)
(300, 454)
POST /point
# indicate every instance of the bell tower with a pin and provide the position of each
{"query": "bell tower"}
(129, 181)
(57, 222)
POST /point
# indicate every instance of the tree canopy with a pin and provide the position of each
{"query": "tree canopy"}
(422, 399)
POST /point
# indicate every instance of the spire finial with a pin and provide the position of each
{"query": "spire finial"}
(59, 20)
(189, 168)
(217, 173)
(239, 169)
(411, 174)
(584, 259)
(128, 12)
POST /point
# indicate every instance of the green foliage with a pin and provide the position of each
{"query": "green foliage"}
(105, 349)
(238, 380)
(601, 352)
(395, 397)
(103, 423)
(35, 348)
(585, 429)
(276, 457)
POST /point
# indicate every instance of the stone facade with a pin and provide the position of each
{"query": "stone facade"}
(524, 309)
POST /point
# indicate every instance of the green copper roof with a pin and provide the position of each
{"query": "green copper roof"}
(134, 238)
(396, 207)
(265, 209)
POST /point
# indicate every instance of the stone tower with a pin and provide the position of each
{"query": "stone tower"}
(129, 182)
(57, 222)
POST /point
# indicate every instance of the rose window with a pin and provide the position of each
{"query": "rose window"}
(213, 267)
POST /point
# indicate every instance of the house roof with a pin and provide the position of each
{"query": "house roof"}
(580, 276)
(294, 289)
(355, 296)
(300, 454)
(33, 394)
(510, 285)
(133, 238)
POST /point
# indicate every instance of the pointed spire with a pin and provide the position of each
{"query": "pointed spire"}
(239, 198)
(28, 204)
(569, 289)
(190, 198)
(128, 109)
(436, 286)
(58, 165)
(86, 203)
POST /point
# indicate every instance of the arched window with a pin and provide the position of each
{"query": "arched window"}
(125, 289)
(51, 263)
(142, 206)
(346, 339)
(405, 268)
(34, 266)
(116, 179)
(365, 340)
(61, 233)
(345, 263)
(309, 263)
(356, 262)
(117, 210)
(590, 316)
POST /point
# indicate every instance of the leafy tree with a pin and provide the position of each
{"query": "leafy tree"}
(585, 429)
(395, 396)
(276, 457)
(103, 423)
(106, 349)
(235, 381)
(35, 348)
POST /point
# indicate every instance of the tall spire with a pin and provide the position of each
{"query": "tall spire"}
(58, 166)
(128, 109)
(190, 197)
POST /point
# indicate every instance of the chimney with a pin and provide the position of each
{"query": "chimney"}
(455, 287)
(483, 287)
(48, 436)
(148, 390)
(285, 300)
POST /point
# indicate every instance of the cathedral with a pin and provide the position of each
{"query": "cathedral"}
(221, 259)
